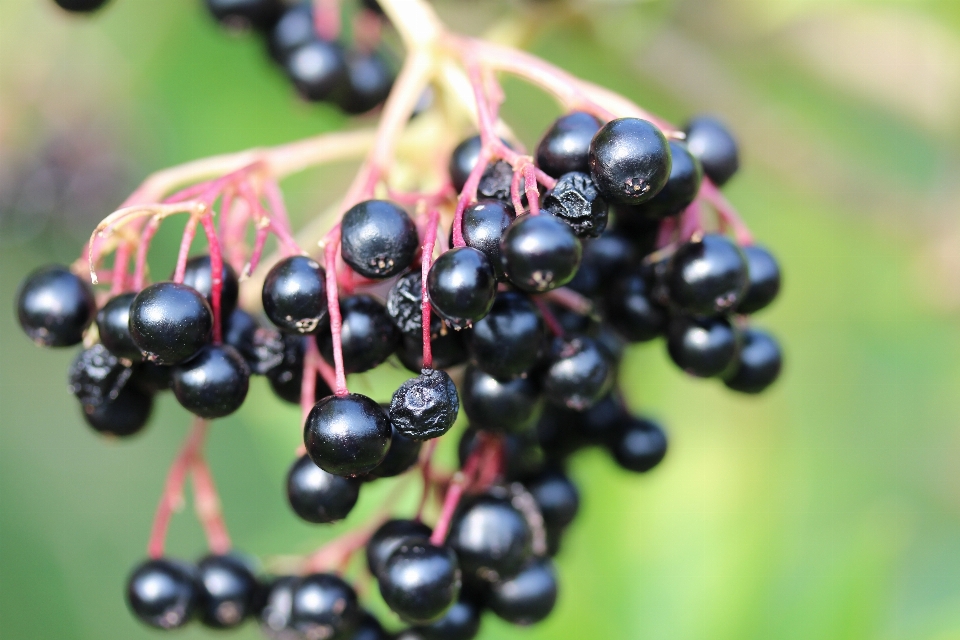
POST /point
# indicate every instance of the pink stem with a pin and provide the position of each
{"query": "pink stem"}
(188, 234)
(326, 19)
(426, 259)
(665, 235)
(570, 299)
(308, 384)
(515, 192)
(367, 30)
(333, 308)
(120, 260)
(533, 193)
(207, 505)
(548, 318)
(258, 243)
(455, 491)
(725, 211)
(690, 222)
(490, 466)
(278, 208)
(468, 195)
(216, 276)
(146, 237)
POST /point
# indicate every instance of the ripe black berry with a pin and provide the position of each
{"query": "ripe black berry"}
(96, 375)
(367, 84)
(214, 383)
(152, 377)
(632, 311)
(245, 14)
(420, 581)
(492, 539)
(764, 284)
(710, 141)
(556, 496)
(295, 295)
(113, 325)
(539, 253)
(757, 365)
(170, 322)
(324, 606)
(426, 406)
(528, 597)
(55, 307)
(565, 147)
(707, 277)
(702, 347)
(483, 225)
(286, 371)
(80, 6)
(228, 591)
(240, 332)
(163, 593)
(629, 160)
(640, 445)
(368, 335)
(379, 240)
(578, 374)
(198, 276)
(642, 232)
(576, 201)
(462, 286)
(369, 628)
(500, 405)
(509, 340)
(401, 456)
(122, 415)
(460, 622)
(347, 435)
(681, 188)
(317, 69)
(294, 29)
(318, 496)
(389, 537)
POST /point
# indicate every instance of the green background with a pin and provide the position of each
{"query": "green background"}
(828, 508)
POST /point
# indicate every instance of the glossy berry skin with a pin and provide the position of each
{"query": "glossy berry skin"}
(152, 377)
(556, 496)
(170, 322)
(295, 295)
(55, 307)
(460, 622)
(347, 435)
(317, 496)
(509, 340)
(286, 370)
(324, 606)
(317, 69)
(579, 373)
(576, 201)
(80, 6)
(121, 416)
(492, 539)
(539, 253)
(163, 593)
(198, 277)
(367, 83)
(214, 383)
(711, 142)
(523, 456)
(764, 274)
(528, 597)
(402, 455)
(639, 446)
(702, 347)
(757, 365)
(113, 327)
(483, 225)
(632, 311)
(228, 590)
(379, 240)
(565, 147)
(499, 405)
(463, 160)
(420, 581)
(681, 188)
(388, 539)
(112, 401)
(462, 286)
(368, 335)
(629, 160)
(258, 14)
(708, 277)
(425, 407)
(294, 29)
(642, 231)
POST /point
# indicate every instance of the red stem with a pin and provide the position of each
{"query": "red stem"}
(308, 384)
(333, 308)
(727, 214)
(455, 491)
(207, 505)
(665, 235)
(426, 259)
(188, 234)
(146, 237)
(690, 222)
(120, 260)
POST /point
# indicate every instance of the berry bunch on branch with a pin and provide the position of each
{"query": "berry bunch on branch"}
(509, 282)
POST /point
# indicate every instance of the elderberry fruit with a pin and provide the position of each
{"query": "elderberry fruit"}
(404, 304)
(347, 435)
(681, 188)
(170, 322)
(495, 182)
(632, 311)
(379, 240)
(464, 159)
(277, 609)
(402, 455)
(286, 374)
(295, 295)
(711, 142)
(447, 347)
(707, 277)
(565, 147)
(639, 446)
(388, 538)
(113, 326)
(528, 597)
(228, 591)
(460, 622)
(317, 69)
(702, 347)
(483, 225)
(367, 83)
(214, 383)
(576, 201)
(462, 286)
(369, 628)
(425, 407)
(96, 375)
(294, 29)
(324, 606)
(55, 307)
(758, 364)
(492, 539)
(629, 160)
(610, 254)
(420, 581)
(509, 340)
(539, 253)
(578, 374)
(198, 276)
(368, 336)
(163, 593)
(122, 415)
(152, 377)
(642, 232)
(500, 405)
(556, 496)
(764, 273)
(317, 496)
(80, 6)
(240, 332)
(246, 14)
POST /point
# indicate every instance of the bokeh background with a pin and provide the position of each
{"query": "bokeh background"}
(829, 508)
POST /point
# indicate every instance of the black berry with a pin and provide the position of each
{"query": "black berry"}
(389, 537)
(492, 539)
(578, 374)
(369, 628)
(764, 274)
(285, 368)
(245, 14)
(565, 147)
(629, 160)
(632, 311)
(367, 84)
(496, 181)
(317, 496)
(228, 590)
(55, 307)
(509, 340)
(163, 593)
(758, 364)
(640, 445)
(576, 201)
(368, 335)
(420, 581)
(710, 141)
(379, 240)
(277, 603)
(707, 277)
(214, 383)
(122, 415)
(483, 225)
(402, 455)
(702, 347)
(681, 188)
(556, 496)
(462, 285)
(113, 325)
(539, 253)
(528, 597)
(170, 322)
(294, 29)
(426, 406)
(295, 295)
(198, 276)
(460, 622)
(324, 606)
(318, 69)
(347, 435)
(500, 405)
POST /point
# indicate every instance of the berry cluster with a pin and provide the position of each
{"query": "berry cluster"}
(511, 291)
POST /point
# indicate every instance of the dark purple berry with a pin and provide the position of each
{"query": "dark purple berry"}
(347, 435)
(509, 340)
(152, 377)
(113, 325)
(462, 286)
(460, 622)
(402, 455)
(556, 496)
(420, 581)
(295, 295)
(388, 539)
(528, 597)
(710, 141)
(246, 14)
(632, 311)
(277, 609)
(369, 628)
(367, 84)
(317, 69)
(368, 335)
(681, 188)
(317, 496)
(565, 147)
(170, 322)
(639, 446)
(198, 277)
(214, 383)
(758, 364)
(123, 415)
(283, 366)
(491, 537)
(500, 405)
(578, 373)
(240, 332)
(55, 307)
(425, 407)
(764, 274)
(163, 593)
(228, 590)
(483, 225)
(112, 401)
(629, 160)
(707, 277)
(324, 606)
(539, 253)
(576, 201)
(379, 240)
(702, 347)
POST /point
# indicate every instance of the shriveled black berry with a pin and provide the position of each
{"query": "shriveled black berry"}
(294, 29)
(758, 364)
(368, 335)
(198, 276)
(246, 14)
(425, 407)
(80, 6)
(556, 496)
(402, 455)
(702, 347)
(707, 277)
(483, 225)
(528, 597)
(640, 445)
(509, 340)
(324, 606)
(462, 286)
(404, 304)
(491, 537)
(681, 188)
(367, 84)
(170, 322)
(710, 141)
(163, 593)
(631, 309)
(295, 295)
(578, 374)
(55, 307)
(500, 405)
(629, 160)
(495, 181)
(317, 496)
(386, 539)
(214, 383)
(420, 581)
(460, 622)
(113, 326)
(565, 147)
(764, 274)
(347, 435)
(228, 591)
(317, 69)
(576, 201)
(539, 253)
(378, 239)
